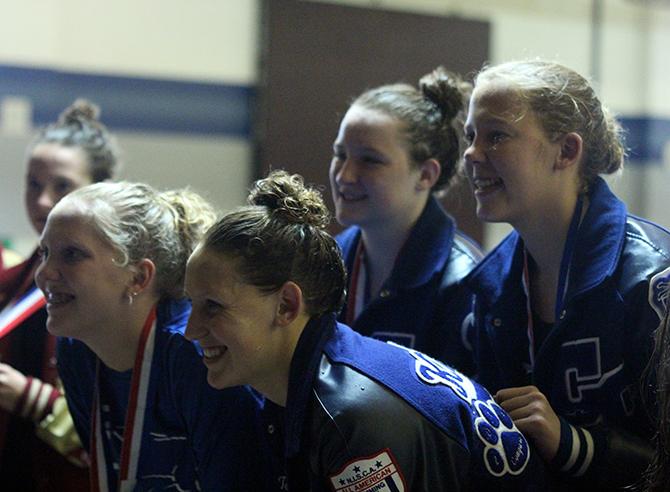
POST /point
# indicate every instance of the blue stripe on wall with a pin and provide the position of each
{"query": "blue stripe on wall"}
(646, 138)
(144, 104)
(134, 103)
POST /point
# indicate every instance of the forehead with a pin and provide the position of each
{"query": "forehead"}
(365, 123)
(492, 101)
(70, 220)
(208, 269)
(58, 160)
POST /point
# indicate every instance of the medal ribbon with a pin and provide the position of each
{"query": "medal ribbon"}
(357, 284)
(132, 432)
(563, 278)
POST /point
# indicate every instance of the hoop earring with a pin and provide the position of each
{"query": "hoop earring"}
(131, 297)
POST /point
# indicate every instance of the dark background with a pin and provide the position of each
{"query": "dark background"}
(316, 58)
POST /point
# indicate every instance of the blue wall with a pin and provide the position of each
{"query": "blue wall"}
(133, 103)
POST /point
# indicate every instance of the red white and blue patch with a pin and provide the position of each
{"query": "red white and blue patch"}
(370, 474)
(659, 292)
(17, 311)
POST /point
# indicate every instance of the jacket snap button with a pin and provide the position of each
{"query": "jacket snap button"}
(497, 322)
(385, 293)
(271, 429)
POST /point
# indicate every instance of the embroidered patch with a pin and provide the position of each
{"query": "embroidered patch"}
(659, 291)
(434, 372)
(370, 474)
(505, 448)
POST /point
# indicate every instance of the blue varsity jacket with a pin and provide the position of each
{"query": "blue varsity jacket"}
(423, 303)
(194, 436)
(590, 363)
(364, 415)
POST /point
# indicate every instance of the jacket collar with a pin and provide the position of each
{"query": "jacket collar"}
(424, 253)
(302, 374)
(600, 239)
(596, 253)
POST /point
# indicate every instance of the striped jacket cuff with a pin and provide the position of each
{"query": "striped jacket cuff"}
(575, 451)
(37, 399)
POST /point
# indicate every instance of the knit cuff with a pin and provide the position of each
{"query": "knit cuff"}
(575, 451)
(37, 399)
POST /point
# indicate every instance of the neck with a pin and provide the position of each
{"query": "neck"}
(383, 244)
(545, 244)
(116, 343)
(545, 234)
(275, 385)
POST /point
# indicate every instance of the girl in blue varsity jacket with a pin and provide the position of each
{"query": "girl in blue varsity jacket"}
(566, 305)
(360, 414)
(113, 259)
(396, 147)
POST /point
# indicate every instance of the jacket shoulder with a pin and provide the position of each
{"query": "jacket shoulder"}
(646, 250)
(464, 257)
(648, 237)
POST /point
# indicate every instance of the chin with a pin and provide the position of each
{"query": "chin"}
(487, 214)
(58, 329)
(345, 219)
(218, 381)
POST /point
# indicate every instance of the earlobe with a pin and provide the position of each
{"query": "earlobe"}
(430, 170)
(571, 150)
(144, 273)
(290, 303)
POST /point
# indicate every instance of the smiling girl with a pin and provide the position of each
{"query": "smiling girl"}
(112, 268)
(266, 283)
(396, 149)
(567, 303)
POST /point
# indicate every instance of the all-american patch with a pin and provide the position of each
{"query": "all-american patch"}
(374, 473)
(659, 291)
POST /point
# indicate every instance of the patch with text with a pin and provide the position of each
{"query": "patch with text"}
(369, 474)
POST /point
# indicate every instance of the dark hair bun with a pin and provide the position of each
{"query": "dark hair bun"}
(287, 196)
(446, 90)
(81, 109)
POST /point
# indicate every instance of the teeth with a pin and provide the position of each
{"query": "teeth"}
(212, 352)
(351, 196)
(486, 182)
(58, 297)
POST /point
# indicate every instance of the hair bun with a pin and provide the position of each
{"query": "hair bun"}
(287, 196)
(446, 90)
(80, 109)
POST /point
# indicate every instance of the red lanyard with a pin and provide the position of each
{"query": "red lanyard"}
(132, 432)
(357, 286)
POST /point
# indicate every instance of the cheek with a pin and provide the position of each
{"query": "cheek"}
(332, 171)
(30, 199)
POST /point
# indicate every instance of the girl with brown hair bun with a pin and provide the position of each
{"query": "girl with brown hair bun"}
(398, 147)
(266, 283)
